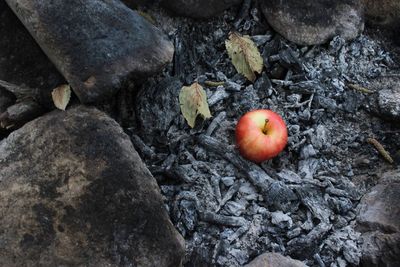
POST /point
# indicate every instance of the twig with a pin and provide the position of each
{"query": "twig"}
(214, 84)
(360, 89)
(380, 149)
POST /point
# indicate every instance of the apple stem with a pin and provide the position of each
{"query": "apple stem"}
(265, 126)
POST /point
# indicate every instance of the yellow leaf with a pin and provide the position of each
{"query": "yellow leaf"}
(244, 55)
(193, 102)
(61, 96)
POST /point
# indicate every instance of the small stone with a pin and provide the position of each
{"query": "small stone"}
(274, 260)
(72, 185)
(96, 45)
(198, 8)
(313, 22)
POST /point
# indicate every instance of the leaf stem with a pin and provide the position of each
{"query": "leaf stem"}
(265, 131)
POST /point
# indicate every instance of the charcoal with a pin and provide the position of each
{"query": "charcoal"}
(219, 95)
(308, 190)
(236, 208)
(306, 87)
(228, 181)
(158, 106)
(261, 39)
(302, 247)
(313, 199)
(232, 86)
(281, 220)
(308, 167)
(307, 152)
(289, 60)
(221, 219)
(280, 197)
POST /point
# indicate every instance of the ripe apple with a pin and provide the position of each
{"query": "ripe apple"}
(261, 135)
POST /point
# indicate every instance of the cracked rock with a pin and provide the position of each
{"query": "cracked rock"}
(74, 192)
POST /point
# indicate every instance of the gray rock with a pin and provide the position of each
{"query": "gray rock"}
(22, 62)
(389, 103)
(74, 192)
(382, 12)
(95, 44)
(380, 249)
(379, 218)
(198, 8)
(314, 22)
(379, 209)
(274, 260)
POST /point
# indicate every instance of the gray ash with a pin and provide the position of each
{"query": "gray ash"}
(301, 203)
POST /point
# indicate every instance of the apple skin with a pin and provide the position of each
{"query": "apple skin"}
(257, 140)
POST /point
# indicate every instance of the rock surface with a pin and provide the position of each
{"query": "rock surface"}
(313, 22)
(386, 102)
(379, 218)
(81, 39)
(22, 62)
(74, 192)
(382, 12)
(198, 8)
(274, 260)
(389, 103)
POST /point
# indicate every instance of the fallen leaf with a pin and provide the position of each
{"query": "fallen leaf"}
(193, 102)
(244, 55)
(61, 96)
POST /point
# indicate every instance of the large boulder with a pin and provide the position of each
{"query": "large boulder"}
(95, 44)
(22, 62)
(379, 220)
(198, 8)
(74, 192)
(313, 22)
(382, 12)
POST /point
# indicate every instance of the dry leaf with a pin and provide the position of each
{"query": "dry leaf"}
(244, 55)
(61, 96)
(193, 102)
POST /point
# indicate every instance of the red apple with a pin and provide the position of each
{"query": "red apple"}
(261, 135)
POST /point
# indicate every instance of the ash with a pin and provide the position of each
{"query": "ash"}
(301, 203)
